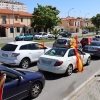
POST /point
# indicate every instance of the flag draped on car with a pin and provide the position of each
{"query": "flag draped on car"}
(43, 44)
(89, 41)
(2, 80)
(79, 62)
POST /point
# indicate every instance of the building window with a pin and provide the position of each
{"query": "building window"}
(11, 30)
(18, 29)
(75, 23)
(16, 18)
(3, 19)
(21, 19)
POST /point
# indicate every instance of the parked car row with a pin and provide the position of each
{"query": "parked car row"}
(60, 59)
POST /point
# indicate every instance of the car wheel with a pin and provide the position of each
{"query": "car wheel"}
(35, 90)
(88, 61)
(25, 63)
(69, 70)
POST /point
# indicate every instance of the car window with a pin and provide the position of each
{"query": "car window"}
(9, 47)
(71, 53)
(32, 46)
(39, 46)
(61, 41)
(56, 52)
(80, 52)
(10, 77)
(23, 47)
(95, 43)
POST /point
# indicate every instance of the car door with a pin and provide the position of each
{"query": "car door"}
(33, 52)
(82, 56)
(14, 89)
(72, 57)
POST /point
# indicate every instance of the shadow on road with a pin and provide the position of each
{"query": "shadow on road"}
(95, 58)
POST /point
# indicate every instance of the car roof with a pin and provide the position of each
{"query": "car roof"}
(61, 48)
(21, 42)
(64, 38)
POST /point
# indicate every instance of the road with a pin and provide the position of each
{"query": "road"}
(5, 40)
(57, 87)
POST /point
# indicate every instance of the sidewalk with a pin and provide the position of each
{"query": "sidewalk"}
(91, 91)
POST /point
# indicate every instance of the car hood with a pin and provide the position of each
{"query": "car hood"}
(38, 35)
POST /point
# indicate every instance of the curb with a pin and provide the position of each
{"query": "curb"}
(76, 91)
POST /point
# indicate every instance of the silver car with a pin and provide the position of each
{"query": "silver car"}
(64, 42)
(93, 48)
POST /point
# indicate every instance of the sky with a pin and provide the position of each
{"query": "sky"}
(82, 8)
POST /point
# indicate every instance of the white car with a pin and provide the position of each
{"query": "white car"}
(41, 35)
(61, 60)
(50, 35)
(21, 53)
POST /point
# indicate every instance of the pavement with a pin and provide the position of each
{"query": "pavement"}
(89, 90)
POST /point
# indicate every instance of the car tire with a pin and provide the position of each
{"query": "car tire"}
(88, 61)
(25, 63)
(35, 90)
(69, 70)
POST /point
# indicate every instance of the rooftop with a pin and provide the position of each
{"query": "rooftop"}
(20, 13)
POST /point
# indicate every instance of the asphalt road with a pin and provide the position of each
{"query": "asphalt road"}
(57, 87)
(5, 40)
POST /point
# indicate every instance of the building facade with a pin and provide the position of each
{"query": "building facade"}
(12, 25)
(12, 4)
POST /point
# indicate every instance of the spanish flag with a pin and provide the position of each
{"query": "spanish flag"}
(79, 62)
(43, 44)
(2, 80)
(89, 41)
(76, 38)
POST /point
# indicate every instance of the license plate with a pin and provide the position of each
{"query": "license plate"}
(5, 55)
(46, 62)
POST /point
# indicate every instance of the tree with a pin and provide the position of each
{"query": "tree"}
(45, 17)
(96, 20)
(56, 32)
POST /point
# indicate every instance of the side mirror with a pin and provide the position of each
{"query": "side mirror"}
(83, 53)
(20, 78)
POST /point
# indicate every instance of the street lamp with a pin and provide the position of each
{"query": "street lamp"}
(68, 17)
(13, 18)
(85, 17)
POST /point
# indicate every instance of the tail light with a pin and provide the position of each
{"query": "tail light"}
(58, 63)
(98, 49)
(15, 54)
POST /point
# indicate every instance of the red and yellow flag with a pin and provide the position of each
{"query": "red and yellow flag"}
(89, 41)
(43, 44)
(79, 62)
(2, 80)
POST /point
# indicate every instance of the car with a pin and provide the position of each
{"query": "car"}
(84, 32)
(21, 53)
(41, 35)
(24, 36)
(66, 34)
(50, 35)
(61, 60)
(98, 32)
(84, 41)
(97, 37)
(93, 49)
(64, 42)
(21, 83)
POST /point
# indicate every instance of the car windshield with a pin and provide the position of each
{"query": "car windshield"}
(39, 33)
(95, 44)
(56, 52)
(9, 47)
(62, 41)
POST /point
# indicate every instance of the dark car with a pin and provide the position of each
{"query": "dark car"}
(66, 34)
(21, 83)
(84, 32)
(64, 42)
(84, 41)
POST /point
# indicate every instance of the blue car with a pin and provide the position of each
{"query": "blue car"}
(21, 83)
(26, 37)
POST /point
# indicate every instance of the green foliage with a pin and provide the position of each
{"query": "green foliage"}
(56, 32)
(45, 17)
(96, 20)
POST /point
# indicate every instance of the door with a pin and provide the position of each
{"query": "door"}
(33, 52)
(14, 89)
(72, 57)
